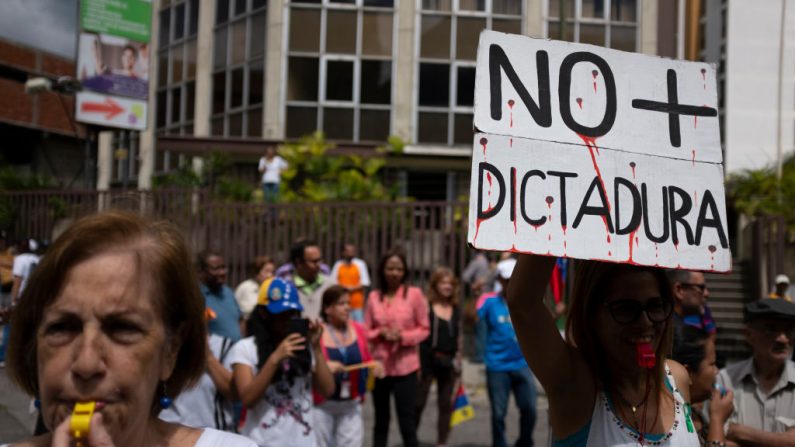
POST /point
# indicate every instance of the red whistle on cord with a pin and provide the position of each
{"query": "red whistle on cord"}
(644, 355)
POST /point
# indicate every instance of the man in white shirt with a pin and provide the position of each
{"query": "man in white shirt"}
(24, 264)
(271, 166)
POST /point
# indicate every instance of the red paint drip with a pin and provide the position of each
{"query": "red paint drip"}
(693, 156)
(594, 86)
(676, 246)
(609, 253)
(579, 102)
(632, 238)
(510, 106)
(591, 143)
(488, 177)
(510, 142)
(695, 200)
(594, 73)
(633, 171)
(535, 227)
(564, 227)
(549, 237)
(550, 217)
(477, 224)
(484, 142)
(608, 238)
(695, 121)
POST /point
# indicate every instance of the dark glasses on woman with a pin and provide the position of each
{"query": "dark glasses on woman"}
(627, 311)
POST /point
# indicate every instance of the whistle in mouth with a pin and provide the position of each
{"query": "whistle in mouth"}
(81, 419)
(644, 355)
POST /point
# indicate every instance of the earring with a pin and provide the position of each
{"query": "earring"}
(165, 401)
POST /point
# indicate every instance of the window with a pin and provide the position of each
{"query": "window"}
(176, 77)
(238, 68)
(448, 37)
(339, 69)
(608, 23)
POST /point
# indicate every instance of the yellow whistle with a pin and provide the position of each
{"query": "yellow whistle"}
(81, 419)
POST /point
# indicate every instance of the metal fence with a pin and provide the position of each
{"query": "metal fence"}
(429, 233)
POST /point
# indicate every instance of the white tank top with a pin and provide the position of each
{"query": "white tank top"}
(607, 429)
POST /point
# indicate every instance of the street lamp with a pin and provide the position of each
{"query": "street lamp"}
(66, 85)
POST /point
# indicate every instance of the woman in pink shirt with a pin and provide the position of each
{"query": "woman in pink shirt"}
(396, 320)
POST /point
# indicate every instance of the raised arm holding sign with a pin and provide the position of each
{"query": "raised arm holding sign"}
(600, 155)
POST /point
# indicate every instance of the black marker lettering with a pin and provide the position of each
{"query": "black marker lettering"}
(523, 196)
(564, 91)
(498, 61)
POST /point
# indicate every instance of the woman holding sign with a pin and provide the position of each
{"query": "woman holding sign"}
(608, 383)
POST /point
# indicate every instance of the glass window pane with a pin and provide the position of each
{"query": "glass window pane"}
(556, 5)
(220, 48)
(376, 82)
(240, 7)
(339, 80)
(593, 34)
(221, 11)
(302, 79)
(162, 113)
(255, 123)
(219, 92)
(467, 37)
(432, 128)
(179, 21)
(193, 24)
(593, 8)
(437, 5)
(435, 39)
(190, 48)
(462, 132)
(165, 27)
(344, 2)
(380, 3)
(255, 82)
(472, 5)
(465, 89)
(190, 100)
(238, 41)
(338, 123)
(176, 105)
(507, 26)
(236, 100)
(162, 68)
(217, 125)
(377, 27)
(341, 32)
(300, 121)
(435, 85)
(623, 38)
(513, 7)
(258, 3)
(177, 62)
(306, 1)
(304, 30)
(553, 31)
(236, 125)
(258, 23)
(187, 130)
(374, 125)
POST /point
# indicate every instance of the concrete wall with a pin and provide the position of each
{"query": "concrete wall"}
(753, 48)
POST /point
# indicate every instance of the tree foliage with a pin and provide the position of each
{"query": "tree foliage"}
(758, 192)
(314, 175)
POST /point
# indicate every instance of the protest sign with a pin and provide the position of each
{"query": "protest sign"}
(594, 153)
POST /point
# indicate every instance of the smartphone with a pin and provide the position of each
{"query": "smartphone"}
(298, 326)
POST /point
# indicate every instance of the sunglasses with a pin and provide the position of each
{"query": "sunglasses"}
(627, 311)
(701, 287)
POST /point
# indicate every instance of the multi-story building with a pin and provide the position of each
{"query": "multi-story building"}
(234, 76)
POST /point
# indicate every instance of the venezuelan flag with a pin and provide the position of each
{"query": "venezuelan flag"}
(462, 410)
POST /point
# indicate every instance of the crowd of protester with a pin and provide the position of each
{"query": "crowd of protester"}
(174, 356)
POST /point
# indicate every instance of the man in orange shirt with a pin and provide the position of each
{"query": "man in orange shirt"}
(351, 273)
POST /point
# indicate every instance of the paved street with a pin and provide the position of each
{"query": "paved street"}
(16, 422)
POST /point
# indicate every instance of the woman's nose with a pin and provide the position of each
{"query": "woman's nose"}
(89, 359)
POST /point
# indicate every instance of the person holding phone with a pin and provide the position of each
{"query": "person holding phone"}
(275, 369)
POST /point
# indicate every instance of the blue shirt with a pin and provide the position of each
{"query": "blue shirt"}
(502, 352)
(227, 312)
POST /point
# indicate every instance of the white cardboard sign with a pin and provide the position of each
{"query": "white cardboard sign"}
(630, 171)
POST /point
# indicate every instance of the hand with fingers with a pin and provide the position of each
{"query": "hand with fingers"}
(289, 346)
(97, 436)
